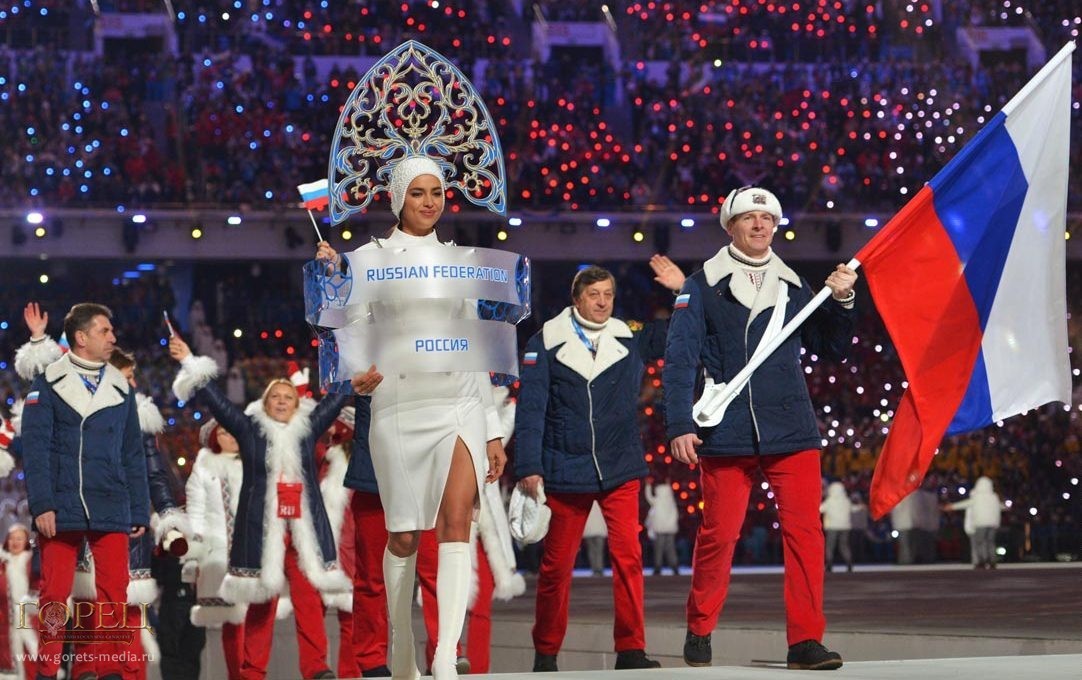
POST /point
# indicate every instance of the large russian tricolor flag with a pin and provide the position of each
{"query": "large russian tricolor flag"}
(970, 279)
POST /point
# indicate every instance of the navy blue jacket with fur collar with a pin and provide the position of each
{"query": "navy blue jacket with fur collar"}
(576, 422)
(267, 448)
(712, 330)
(83, 454)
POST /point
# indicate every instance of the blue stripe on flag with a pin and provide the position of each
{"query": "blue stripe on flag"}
(978, 198)
(975, 411)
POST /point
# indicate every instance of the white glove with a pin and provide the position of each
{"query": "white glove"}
(189, 573)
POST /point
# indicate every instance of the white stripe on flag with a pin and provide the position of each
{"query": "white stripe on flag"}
(1025, 340)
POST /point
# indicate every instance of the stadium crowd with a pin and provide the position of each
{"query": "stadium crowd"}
(859, 122)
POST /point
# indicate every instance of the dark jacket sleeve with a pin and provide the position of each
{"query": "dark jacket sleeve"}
(651, 339)
(158, 477)
(360, 474)
(530, 412)
(228, 414)
(328, 408)
(39, 458)
(687, 331)
(135, 467)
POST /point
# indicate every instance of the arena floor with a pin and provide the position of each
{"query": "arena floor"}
(940, 621)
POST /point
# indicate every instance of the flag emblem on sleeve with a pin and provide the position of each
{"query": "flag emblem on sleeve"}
(32, 398)
(682, 300)
(529, 359)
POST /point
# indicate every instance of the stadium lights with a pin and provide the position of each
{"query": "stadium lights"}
(514, 222)
(234, 220)
(347, 235)
(784, 222)
(197, 233)
(871, 223)
(501, 235)
(34, 217)
(687, 223)
(139, 218)
(603, 223)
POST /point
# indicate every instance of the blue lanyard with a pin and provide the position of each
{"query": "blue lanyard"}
(582, 335)
(92, 386)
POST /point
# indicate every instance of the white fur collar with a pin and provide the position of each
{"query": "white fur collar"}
(150, 418)
(111, 391)
(722, 264)
(573, 353)
(283, 441)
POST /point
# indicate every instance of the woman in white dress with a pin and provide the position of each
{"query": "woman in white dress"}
(432, 436)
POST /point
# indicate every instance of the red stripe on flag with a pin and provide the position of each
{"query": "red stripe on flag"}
(921, 293)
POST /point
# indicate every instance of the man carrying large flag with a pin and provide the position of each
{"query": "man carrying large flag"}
(970, 279)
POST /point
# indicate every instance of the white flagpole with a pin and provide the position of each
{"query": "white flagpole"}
(314, 225)
(733, 387)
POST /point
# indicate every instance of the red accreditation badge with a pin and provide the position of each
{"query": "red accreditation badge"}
(289, 500)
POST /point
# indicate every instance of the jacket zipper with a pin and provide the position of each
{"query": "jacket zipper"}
(593, 436)
(82, 499)
(751, 401)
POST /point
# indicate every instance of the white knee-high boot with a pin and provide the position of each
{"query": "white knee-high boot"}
(399, 576)
(453, 575)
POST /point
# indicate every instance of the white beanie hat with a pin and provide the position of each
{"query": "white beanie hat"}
(746, 199)
(407, 170)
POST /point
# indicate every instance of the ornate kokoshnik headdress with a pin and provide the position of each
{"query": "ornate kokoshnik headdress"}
(415, 113)
(414, 103)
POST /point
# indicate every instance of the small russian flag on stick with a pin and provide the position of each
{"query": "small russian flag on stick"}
(315, 195)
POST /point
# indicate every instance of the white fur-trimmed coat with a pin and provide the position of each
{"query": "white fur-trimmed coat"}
(271, 452)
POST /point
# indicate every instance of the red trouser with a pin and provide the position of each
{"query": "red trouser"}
(308, 615)
(233, 648)
(347, 660)
(726, 486)
(58, 558)
(620, 507)
(84, 660)
(479, 615)
(369, 595)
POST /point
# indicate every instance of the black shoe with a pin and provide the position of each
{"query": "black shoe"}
(634, 658)
(462, 665)
(377, 672)
(544, 663)
(697, 650)
(325, 674)
(810, 655)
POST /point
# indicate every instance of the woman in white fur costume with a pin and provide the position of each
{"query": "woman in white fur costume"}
(20, 642)
(213, 493)
(282, 533)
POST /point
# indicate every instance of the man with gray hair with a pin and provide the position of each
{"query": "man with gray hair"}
(738, 302)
